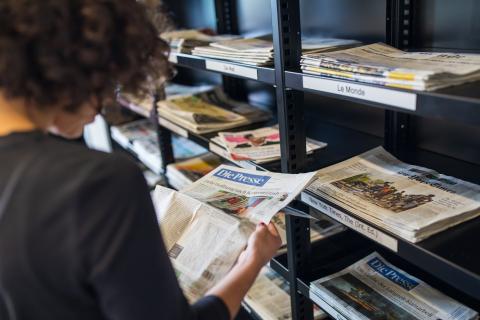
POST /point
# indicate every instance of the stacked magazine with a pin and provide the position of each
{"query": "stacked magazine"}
(384, 65)
(209, 111)
(144, 106)
(260, 145)
(409, 201)
(140, 138)
(259, 51)
(207, 225)
(184, 41)
(269, 297)
(374, 289)
(183, 173)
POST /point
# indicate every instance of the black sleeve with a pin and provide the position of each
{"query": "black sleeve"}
(124, 260)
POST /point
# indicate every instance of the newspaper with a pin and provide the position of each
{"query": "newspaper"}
(382, 64)
(372, 288)
(409, 201)
(206, 225)
(209, 111)
(183, 41)
(144, 106)
(252, 51)
(261, 145)
(183, 173)
(269, 297)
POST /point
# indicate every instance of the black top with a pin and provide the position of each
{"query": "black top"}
(79, 238)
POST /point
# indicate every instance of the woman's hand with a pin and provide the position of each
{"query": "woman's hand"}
(262, 246)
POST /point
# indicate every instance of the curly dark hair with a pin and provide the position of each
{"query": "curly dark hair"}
(67, 51)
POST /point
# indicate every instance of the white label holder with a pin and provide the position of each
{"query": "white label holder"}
(399, 99)
(355, 224)
(230, 68)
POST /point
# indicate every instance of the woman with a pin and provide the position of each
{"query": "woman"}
(78, 233)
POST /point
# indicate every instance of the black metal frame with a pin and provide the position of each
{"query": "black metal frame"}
(287, 52)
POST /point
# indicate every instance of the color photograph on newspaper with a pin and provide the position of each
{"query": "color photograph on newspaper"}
(232, 203)
(382, 193)
(364, 299)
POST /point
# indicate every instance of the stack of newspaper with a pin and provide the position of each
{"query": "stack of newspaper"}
(259, 51)
(269, 297)
(409, 201)
(384, 65)
(372, 288)
(183, 173)
(144, 106)
(260, 145)
(209, 111)
(140, 138)
(251, 51)
(183, 41)
(206, 226)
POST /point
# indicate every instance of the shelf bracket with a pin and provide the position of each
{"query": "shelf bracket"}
(287, 52)
(164, 136)
(227, 23)
(399, 26)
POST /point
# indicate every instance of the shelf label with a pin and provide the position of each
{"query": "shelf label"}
(173, 127)
(173, 58)
(355, 224)
(215, 148)
(246, 72)
(399, 99)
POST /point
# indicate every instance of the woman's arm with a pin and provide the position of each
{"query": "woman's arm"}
(262, 246)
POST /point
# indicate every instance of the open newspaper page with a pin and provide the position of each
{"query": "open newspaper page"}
(203, 243)
(269, 297)
(409, 201)
(253, 195)
(207, 225)
(372, 288)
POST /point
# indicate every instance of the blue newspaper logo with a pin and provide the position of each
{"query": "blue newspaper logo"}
(240, 177)
(392, 274)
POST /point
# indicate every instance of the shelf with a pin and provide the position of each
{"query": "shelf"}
(452, 253)
(335, 253)
(238, 70)
(458, 103)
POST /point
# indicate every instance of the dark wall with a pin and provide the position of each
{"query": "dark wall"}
(439, 25)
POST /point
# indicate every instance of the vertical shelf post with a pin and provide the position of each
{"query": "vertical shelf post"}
(164, 136)
(287, 53)
(399, 19)
(227, 23)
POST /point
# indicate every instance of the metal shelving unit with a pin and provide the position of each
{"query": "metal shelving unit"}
(448, 260)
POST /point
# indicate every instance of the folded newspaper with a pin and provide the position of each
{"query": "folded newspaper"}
(385, 65)
(144, 106)
(183, 41)
(183, 173)
(209, 111)
(409, 201)
(206, 226)
(259, 51)
(260, 145)
(269, 297)
(372, 288)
